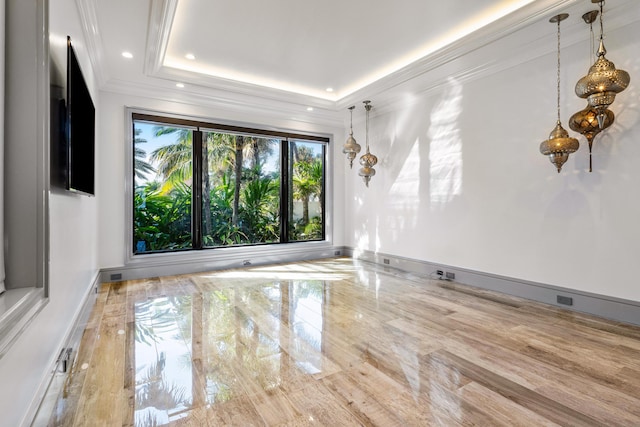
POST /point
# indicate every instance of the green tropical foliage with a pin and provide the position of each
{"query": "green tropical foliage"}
(240, 192)
(162, 221)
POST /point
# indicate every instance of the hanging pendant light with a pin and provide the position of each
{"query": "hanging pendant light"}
(603, 82)
(368, 160)
(586, 121)
(351, 147)
(559, 145)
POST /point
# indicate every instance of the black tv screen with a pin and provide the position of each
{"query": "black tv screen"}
(80, 129)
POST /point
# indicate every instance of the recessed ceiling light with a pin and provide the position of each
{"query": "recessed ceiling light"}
(190, 56)
(180, 85)
(127, 55)
(309, 108)
(329, 89)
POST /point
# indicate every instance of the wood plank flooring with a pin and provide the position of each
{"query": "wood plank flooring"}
(339, 343)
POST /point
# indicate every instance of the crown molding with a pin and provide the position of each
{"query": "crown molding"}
(496, 56)
(93, 38)
(228, 101)
(243, 88)
(158, 32)
(487, 35)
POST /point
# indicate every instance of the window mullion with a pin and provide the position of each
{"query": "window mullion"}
(284, 191)
(196, 200)
(324, 191)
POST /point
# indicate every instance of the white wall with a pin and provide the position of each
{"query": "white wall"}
(461, 181)
(111, 154)
(74, 224)
(72, 234)
(2, 36)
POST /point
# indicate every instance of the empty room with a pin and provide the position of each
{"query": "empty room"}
(334, 213)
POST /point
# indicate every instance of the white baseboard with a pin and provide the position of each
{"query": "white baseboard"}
(44, 400)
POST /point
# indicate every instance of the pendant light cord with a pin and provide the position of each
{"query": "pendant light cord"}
(367, 107)
(601, 26)
(558, 85)
(351, 120)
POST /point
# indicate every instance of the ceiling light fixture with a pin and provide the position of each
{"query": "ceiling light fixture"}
(603, 82)
(559, 145)
(127, 55)
(190, 56)
(180, 85)
(585, 122)
(329, 89)
(351, 148)
(368, 160)
(309, 108)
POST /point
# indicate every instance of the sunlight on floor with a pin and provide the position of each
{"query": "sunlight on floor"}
(251, 274)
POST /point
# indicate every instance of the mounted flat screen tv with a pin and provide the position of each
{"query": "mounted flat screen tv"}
(80, 129)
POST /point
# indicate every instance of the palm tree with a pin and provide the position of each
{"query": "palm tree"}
(316, 174)
(223, 155)
(302, 190)
(174, 160)
(220, 147)
(140, 166)
(257, 149)
(307, 178)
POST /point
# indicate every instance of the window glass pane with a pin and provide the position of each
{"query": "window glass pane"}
(241, 189)
(306, 195)
(162, 196)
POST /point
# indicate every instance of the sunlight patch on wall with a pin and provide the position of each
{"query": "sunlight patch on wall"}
(404, 196)
(362, 238)
(445, 150)
(378, 241)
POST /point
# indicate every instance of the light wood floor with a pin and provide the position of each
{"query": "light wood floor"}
(338, 343)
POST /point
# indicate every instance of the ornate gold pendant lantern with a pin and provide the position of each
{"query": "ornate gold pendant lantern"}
(368, 160)
(351, 148)
(559, 145)
(603, 82)
(586, 123)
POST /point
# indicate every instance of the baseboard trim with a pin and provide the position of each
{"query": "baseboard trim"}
(46, 397)
(181, 265)
(612, 308)
(617, 309)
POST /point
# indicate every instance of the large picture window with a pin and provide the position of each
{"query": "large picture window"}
(200, 185)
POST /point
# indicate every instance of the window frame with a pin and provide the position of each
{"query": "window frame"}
(278, 250)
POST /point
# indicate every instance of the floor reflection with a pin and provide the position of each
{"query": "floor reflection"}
(163, 360)
(205, 348)
(306, 321)
(381, 348)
